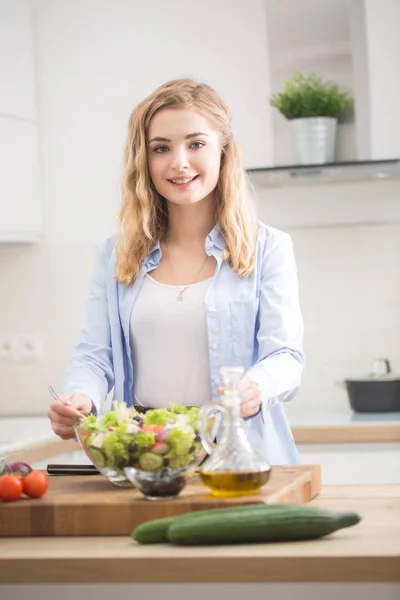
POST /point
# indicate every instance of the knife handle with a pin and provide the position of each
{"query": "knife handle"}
(54, 469)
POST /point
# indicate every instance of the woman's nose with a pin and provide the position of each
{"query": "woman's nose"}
(180, 161)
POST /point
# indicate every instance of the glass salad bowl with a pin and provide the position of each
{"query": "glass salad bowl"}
(155, 452)
(108, 453)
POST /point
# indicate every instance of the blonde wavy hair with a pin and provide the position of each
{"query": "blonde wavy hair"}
(143, 217)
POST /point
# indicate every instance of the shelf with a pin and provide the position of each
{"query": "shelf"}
(328, 173)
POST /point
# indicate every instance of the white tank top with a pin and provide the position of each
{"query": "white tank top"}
(169, 345)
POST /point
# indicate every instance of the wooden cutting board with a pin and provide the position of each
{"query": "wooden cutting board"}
(90, 505)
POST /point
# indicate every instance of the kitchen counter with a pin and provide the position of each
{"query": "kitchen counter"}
(31, 439)
(368, 552)
(18, 432)
(343, 426)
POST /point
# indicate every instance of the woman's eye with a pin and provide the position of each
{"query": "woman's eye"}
(160, 149)
(197, 145)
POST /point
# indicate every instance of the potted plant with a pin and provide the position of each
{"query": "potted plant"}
(313, 107)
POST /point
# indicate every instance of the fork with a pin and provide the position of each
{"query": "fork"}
(75, 410)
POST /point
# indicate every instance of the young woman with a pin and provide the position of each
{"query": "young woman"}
(191, 282)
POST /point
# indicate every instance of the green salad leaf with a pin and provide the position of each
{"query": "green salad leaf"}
(157, 416)
(116, 448)
(90, 422)
(144, 440)
(180, 442)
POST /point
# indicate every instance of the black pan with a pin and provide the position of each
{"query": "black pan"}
(377, 392)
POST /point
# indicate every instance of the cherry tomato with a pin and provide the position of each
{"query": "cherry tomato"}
(11, 487)
(152, 428)
(35, 484)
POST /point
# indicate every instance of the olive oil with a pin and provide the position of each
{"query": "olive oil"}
(228, 484)
(233, 467)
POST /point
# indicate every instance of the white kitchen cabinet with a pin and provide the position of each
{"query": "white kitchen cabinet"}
(17, 82)
(20, 198)
(354, 463)
(199, 591)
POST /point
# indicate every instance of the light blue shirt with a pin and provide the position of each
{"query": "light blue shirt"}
(254, 322)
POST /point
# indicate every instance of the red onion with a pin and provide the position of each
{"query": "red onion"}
(18, 468)
(163, 434)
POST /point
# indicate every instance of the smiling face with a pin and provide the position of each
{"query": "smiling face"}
(184, 155)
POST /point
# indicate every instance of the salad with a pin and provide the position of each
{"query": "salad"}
(160, 439)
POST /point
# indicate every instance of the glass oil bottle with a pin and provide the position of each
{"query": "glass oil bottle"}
(233, 467)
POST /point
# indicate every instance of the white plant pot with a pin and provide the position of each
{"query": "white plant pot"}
(314, 139)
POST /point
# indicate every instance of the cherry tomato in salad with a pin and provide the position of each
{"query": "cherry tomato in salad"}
(11, 487)
(35, 484)
(151, 428)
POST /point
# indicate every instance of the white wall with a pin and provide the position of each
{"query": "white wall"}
(95, 60)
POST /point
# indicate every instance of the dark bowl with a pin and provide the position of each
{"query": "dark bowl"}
(163, 485)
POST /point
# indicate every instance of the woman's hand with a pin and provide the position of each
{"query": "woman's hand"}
(250, 395)
(63, 417)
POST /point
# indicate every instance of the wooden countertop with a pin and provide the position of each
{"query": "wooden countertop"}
(342, 434)
(368, 552)
(342, 426)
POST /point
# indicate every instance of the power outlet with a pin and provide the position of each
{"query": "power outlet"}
(28, 348)
(7, 348)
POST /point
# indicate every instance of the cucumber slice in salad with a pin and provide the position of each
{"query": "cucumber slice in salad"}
(150, 461)
(97, 456)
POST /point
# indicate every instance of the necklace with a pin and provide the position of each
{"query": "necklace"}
(182, 290)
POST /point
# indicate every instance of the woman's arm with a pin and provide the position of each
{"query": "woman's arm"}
(91, 369)
(280, 363)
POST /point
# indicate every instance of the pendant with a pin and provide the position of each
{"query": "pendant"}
(181, 292)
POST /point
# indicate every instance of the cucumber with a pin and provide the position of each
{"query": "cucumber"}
(149, 461)
(273, 523)
(155, 531)
(309, 522)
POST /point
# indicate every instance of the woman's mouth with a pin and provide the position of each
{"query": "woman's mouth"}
(183, 182)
